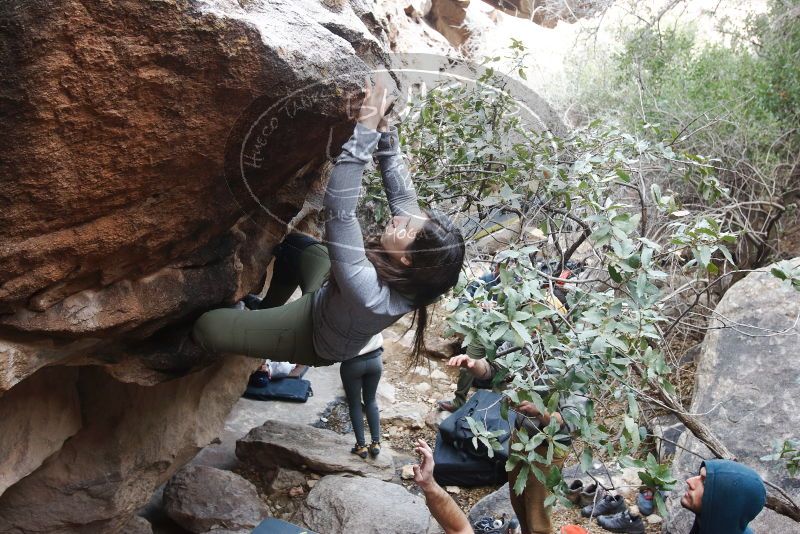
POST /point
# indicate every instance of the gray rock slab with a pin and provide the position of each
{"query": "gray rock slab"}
(293, 445)
(404, 414)
(205, 499)
(248, 414)
(748, 388)
(668, 430)
(340, 503)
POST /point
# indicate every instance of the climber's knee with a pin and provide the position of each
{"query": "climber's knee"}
(202, 331)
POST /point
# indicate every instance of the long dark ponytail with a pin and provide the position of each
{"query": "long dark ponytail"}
(437, 254)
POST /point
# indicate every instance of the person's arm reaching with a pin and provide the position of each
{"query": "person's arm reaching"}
(442, 507)
(352, 270)
(474, 361)
(397, 181)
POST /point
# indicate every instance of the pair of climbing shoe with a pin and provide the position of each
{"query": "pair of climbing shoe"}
(362, 451)
(612, 514)
(610, 511)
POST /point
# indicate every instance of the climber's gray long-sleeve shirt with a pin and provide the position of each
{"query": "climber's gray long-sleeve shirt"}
(346, 316)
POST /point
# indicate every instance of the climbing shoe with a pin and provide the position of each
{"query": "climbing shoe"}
(609, 504)
(375, 449)
(591, 494)
(252, 301)
(574, 491)
(622, 522)
(644, 500)
(360, 451)
(446, 406)
(490, 525)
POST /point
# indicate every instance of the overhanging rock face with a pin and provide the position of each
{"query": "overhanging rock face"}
(152, 153)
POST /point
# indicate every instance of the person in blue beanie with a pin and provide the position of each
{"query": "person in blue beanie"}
(725, 496)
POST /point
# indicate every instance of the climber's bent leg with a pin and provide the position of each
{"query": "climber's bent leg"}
(283, 333)
(299, 260)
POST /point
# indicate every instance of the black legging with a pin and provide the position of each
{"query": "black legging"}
(360, 377)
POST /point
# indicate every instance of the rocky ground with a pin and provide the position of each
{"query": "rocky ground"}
(282, 476)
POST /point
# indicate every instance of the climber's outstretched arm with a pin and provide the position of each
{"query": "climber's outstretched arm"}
(397, 180)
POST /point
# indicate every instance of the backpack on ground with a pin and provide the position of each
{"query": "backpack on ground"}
(484, 407)
(453, 467)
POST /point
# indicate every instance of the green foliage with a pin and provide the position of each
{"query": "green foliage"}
(787, 451)
(785, 270)
(655, 476)
(736, 101)
(479, 160)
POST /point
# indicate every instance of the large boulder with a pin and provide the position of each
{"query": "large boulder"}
(747, 389)
(340, 503)
(153, 153)
(279, 444)
(204, 499)
(132, 439)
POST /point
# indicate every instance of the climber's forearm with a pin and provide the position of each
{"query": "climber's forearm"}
(343, 233)
(445, 510)
(396, 178)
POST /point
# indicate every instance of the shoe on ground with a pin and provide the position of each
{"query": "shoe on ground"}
(574, 491)
(360, 450)
(622, 522)
(491, 525)
(375, 449)
(446, 406)
(645, 502)
(608, 505)
(591, 495)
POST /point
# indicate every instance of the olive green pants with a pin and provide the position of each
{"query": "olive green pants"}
(279, 331)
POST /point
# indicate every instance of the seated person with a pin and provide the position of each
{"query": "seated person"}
(529, 507)
(724, 496)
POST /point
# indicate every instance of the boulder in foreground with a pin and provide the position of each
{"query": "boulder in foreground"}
(280, 444)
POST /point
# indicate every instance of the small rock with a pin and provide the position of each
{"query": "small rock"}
(455, 490)
(286, 479)
(314, 476)
(311, 483)
(421, 371)
(386, 393)
(296, 491)
(453, 387)
(423, 387)
(407, 472)
(654, 519)
(439, 375)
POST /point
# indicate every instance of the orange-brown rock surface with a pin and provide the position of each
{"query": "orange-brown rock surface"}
(152, 154)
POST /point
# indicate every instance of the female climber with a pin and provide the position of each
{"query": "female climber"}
(351, 291)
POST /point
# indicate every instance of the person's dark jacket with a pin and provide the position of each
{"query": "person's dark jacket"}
(733, 495)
